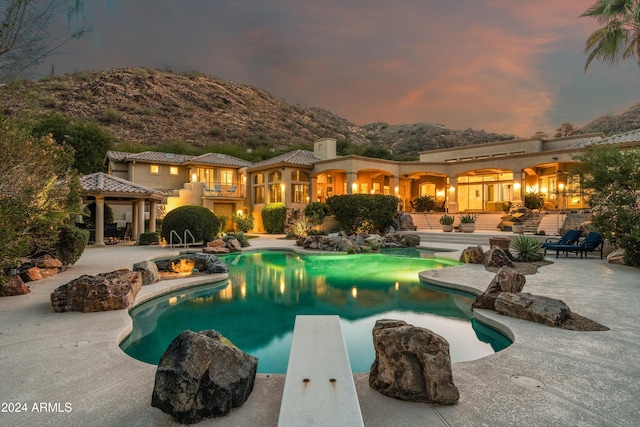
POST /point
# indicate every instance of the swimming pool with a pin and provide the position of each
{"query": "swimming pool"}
(256, 308)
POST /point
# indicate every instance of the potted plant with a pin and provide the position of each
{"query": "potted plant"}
(447, 222)
(468, 222)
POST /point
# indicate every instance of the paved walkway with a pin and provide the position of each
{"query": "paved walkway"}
(70, 367)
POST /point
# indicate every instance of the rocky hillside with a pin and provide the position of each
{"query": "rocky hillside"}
(610, 125)
(148, 107)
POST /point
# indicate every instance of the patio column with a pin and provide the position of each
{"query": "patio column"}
(99, 232)
(352, 178)
(140, 219)
(152, 216)
(134, 221)
(452, 196)
(517, 188)
(313, 188)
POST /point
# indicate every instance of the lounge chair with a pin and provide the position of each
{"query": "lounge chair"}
(571, 237)
(591, 243)
(232, 189)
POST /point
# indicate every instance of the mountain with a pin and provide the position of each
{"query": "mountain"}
(148, 107)
(609, 125)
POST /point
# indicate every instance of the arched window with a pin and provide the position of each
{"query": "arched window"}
(298, 175)
(275, 187)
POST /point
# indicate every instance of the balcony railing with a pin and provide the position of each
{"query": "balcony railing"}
(224, 190)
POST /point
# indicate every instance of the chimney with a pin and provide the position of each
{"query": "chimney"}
(325, 148)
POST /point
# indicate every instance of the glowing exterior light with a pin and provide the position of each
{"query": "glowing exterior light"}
(354, 292)
(452, 189)
(440, 193)
(194, 177)
(561, 186)
(354, 187)
(516, 185)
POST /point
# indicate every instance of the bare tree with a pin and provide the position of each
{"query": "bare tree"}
(566, 129)
(25, 32)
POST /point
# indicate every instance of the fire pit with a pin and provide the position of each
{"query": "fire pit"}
(189, 264)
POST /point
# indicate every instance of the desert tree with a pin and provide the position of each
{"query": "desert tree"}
(26, 33)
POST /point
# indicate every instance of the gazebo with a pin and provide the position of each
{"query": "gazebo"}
(100, 186)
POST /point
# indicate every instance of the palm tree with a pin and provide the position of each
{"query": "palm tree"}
(620, 32)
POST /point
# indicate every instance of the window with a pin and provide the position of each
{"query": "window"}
(275, 193)
(300, 193)
(258, 194)
(154, 169)
(298, 175)
(275, 176)
(258, 179)
(226, 176)
(173, 170)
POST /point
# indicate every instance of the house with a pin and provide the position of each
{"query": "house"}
(477, 178)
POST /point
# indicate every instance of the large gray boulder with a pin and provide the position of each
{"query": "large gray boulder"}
(506, 280)
(200, 376)
(203, 262)
(107, 291)
(149, 272)
(535, 308)
(411, 364)
(496, 257)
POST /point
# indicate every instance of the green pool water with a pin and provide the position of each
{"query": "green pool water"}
(256, 307)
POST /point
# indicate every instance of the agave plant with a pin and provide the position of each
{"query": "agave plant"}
(526, 249)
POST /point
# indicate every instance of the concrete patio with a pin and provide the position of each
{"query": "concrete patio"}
(71, 362)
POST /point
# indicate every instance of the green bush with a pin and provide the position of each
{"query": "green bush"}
(533, 200)
(244, 223)
(526, 249)
(200, 221)
(631, 245)
(364, 212)
(301, 227)
(273, 217)
(424, 204)
(71, 243)
(447, 219)
(152, 238)
(316, 211)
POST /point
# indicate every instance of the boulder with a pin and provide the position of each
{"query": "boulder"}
(108, 291)
(406, 222)
(49, 262)
(234, 245)
(410, 240)
(535, 308)
(216, 250)
(200, 376)
(506, 280)
(496, 257)
(203, 262)
(472, 255)
(14, 286)
(218, 243)
(149, 271)
(616, 257)
(411, 364)
(31, 275)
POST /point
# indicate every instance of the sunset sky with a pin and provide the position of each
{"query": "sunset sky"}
(507, 66)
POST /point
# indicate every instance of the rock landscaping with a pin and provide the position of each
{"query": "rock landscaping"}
(358, 243)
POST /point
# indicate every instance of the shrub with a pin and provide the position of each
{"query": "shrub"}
(200, 221)
(364, 212)
(447, 219)
(152, 238)
(468, 218)
(301, 227)
(222, 219)
(244, 223)
(631, 245)
(533, 200)
(526, 249)
(273, 217)
(424, 204)
(316, 211)
(71, 243)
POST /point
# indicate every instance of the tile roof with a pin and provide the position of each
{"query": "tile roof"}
(631, 136)
(101, 182)
(221, 159)
(297, 157)
(149, 156)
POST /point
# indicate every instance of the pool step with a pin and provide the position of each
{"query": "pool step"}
(318, 387)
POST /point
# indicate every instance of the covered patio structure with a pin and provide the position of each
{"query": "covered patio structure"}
(100, 186)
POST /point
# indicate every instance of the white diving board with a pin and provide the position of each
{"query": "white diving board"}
(318, 387)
